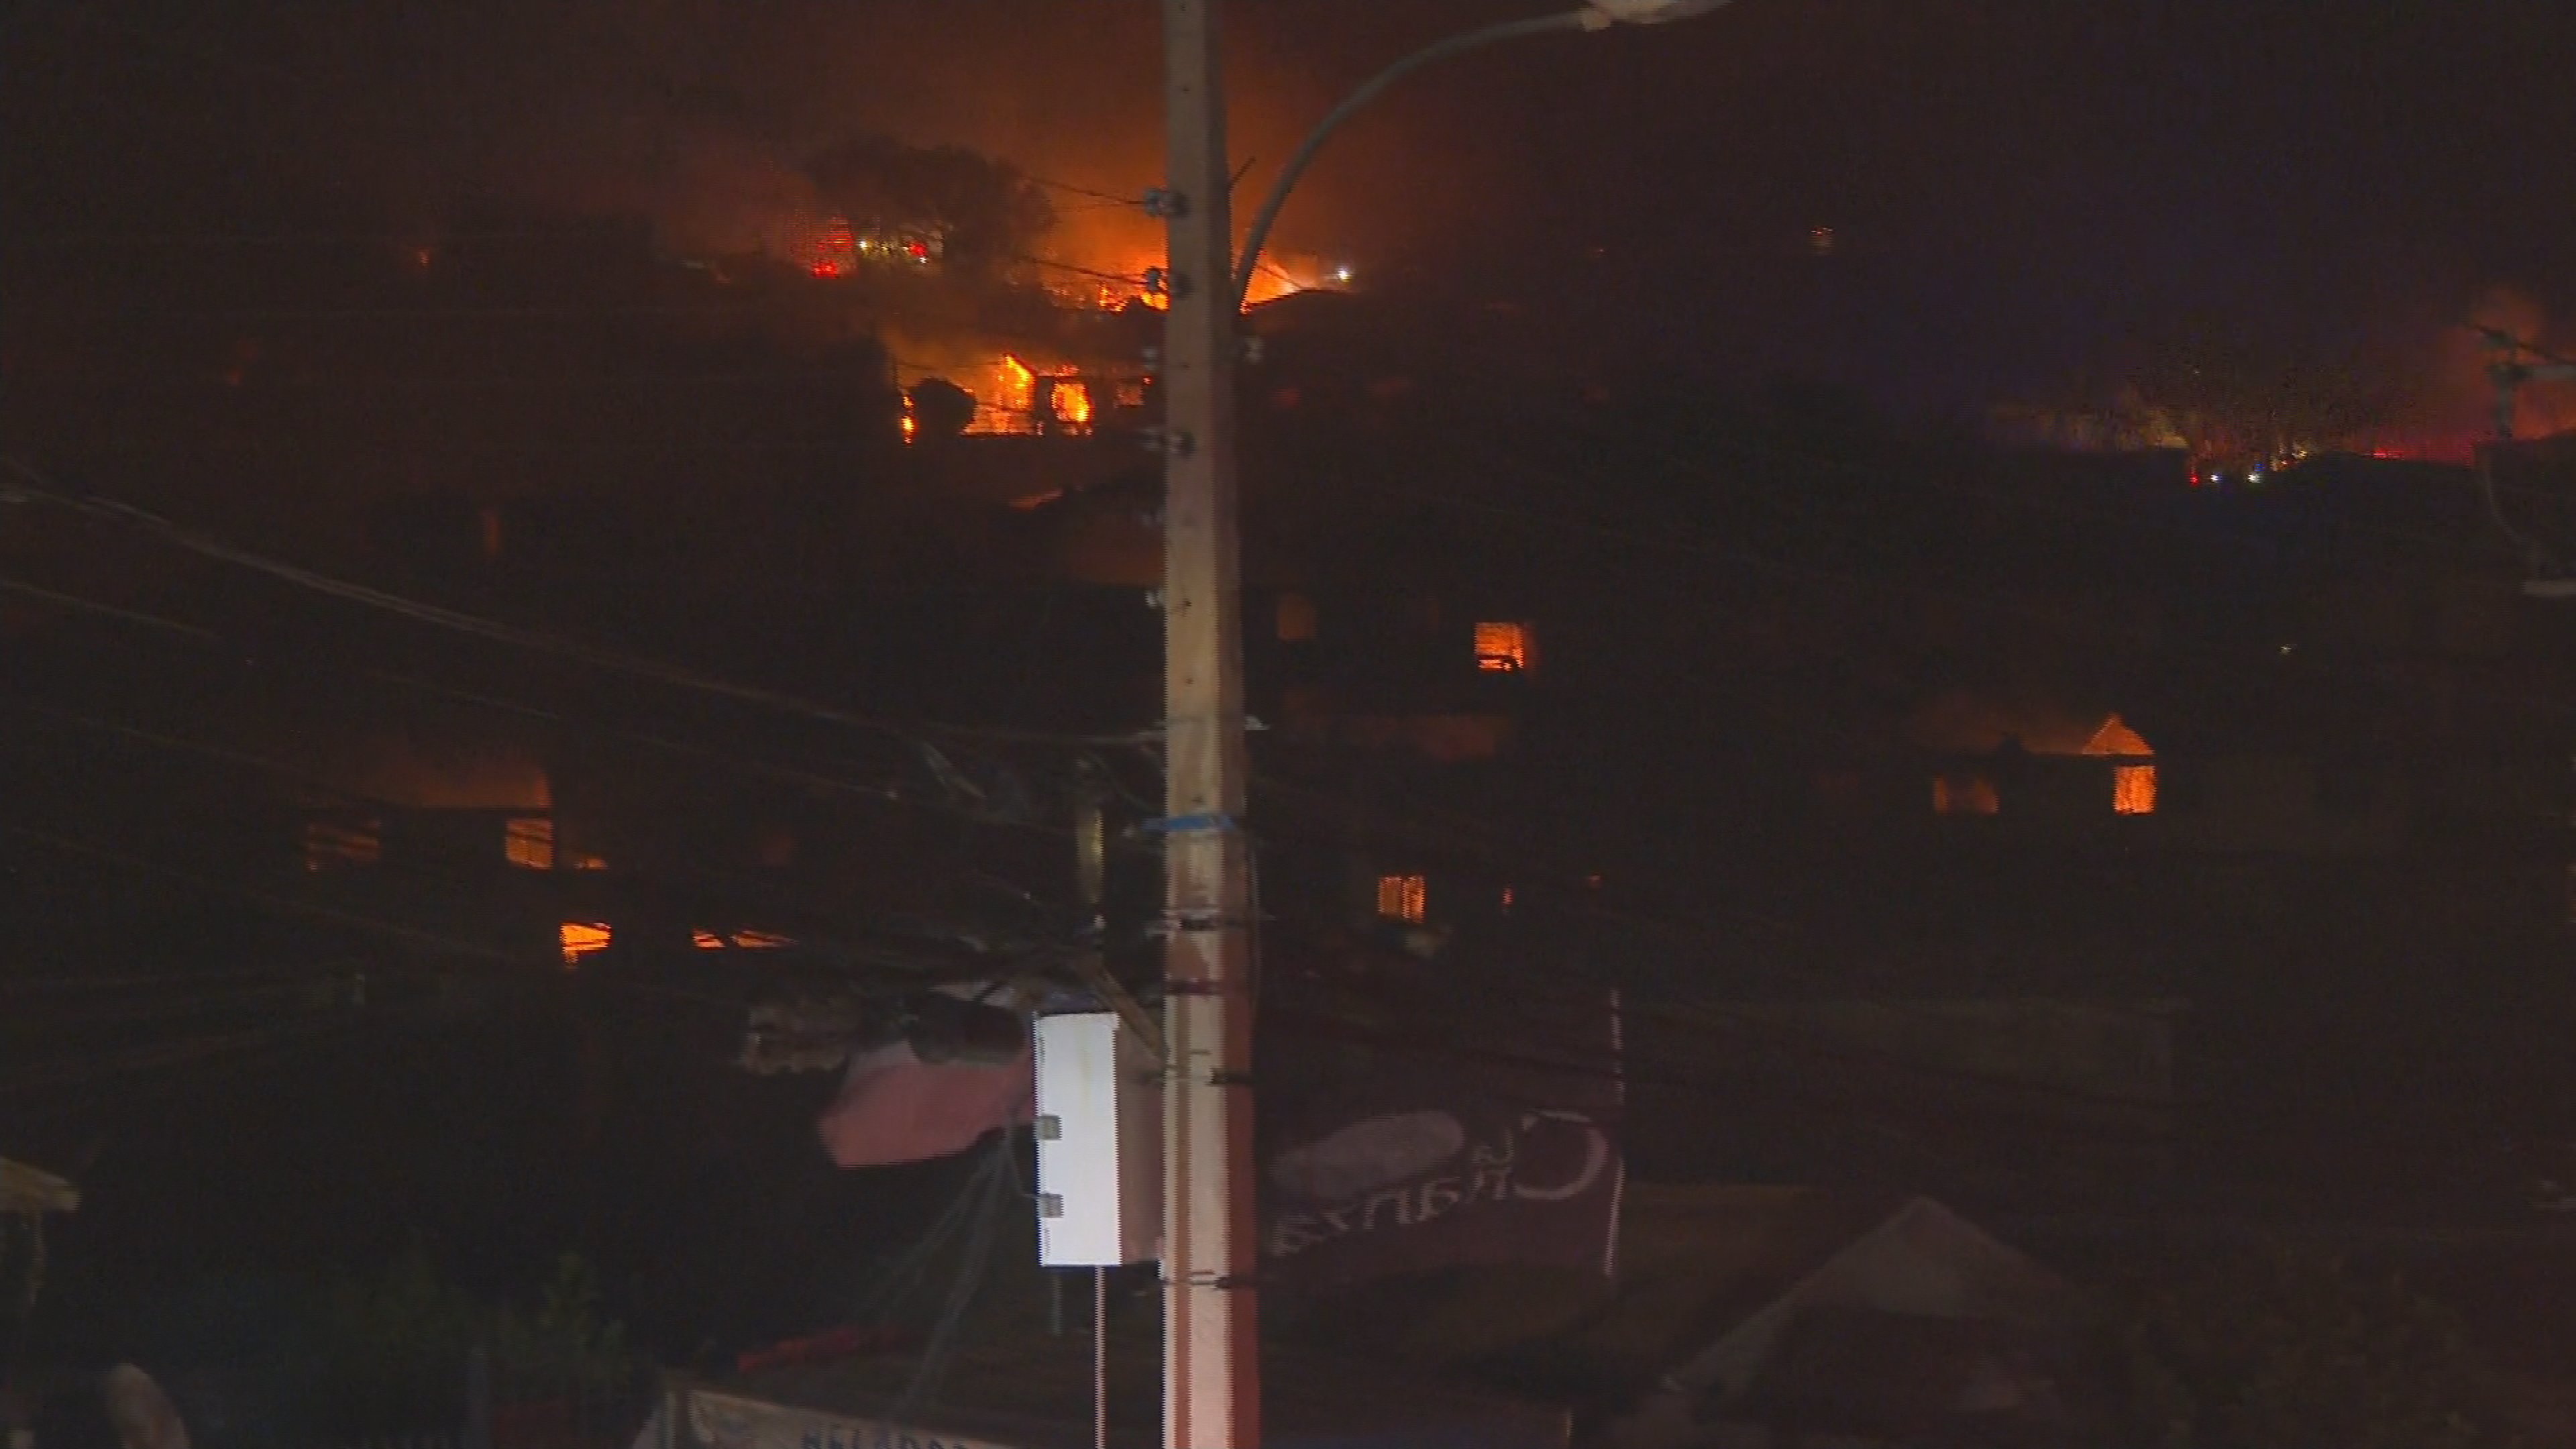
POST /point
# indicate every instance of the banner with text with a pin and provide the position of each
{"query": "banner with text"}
(1408, 1130)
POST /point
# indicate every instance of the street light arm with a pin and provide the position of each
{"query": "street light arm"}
(1587, 18)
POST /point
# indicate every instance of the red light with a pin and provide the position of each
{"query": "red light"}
(919, 251)
(826, 269)
(2195, 480)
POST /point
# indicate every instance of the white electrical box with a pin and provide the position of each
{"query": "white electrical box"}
(1100, 1143)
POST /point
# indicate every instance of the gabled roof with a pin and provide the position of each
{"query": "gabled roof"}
(1708, 1280)
(1925, 1261)
(1693, 1261)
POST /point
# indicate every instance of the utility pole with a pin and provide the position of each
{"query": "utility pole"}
(1211, 1356)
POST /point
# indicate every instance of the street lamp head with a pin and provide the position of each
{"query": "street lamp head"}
(1601, 13)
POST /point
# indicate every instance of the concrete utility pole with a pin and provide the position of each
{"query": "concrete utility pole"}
(1211, 1353)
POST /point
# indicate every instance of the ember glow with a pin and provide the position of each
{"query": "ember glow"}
(1502, 648)
(582, 938)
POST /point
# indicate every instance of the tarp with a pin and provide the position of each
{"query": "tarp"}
(1409, 1120)
(894, 1107)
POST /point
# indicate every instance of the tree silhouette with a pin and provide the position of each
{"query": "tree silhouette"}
(987, 212)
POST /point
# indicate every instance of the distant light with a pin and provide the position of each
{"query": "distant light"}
(1341, 274)
(2254, 475)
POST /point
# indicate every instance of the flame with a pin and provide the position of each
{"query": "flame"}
(1071, 402)
(1017, 379)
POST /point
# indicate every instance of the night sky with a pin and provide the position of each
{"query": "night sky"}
(2020, 190)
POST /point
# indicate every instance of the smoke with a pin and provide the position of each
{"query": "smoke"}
(2447, 405)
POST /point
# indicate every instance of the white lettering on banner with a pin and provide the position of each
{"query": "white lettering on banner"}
(1596, 1160)
(728, 1421)
(1493, 1177)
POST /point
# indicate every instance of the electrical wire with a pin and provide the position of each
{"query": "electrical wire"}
(885, 792)
(1080, 271)
(1091, 193)
(37, 485)
(109, 611)
(844, 953)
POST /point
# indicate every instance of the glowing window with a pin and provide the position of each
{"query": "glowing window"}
(1070, 402)
(1502, 648)
(336, 845)
(1296, 619)
(1967, 795)
(1017, 383)
(583, 938)
(1402, 897)
(2133, 789)
(529, 842)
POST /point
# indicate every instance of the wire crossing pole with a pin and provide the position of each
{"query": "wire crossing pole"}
(1211, 1368)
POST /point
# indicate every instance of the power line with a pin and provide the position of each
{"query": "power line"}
(1081, 271)
(1093, 193)
(885, 792)
(110, 611)
(38, 485)
(845, 953)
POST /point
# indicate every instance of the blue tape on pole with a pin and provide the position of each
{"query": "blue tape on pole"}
(1190, 824)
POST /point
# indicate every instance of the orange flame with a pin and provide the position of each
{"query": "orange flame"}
(1072, 404)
